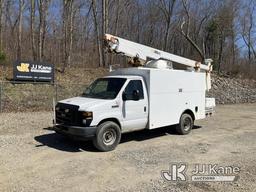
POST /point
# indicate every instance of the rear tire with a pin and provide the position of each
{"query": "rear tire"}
(186, 124)
(107, 137)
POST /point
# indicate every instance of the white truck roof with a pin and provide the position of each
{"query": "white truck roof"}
(125, 76)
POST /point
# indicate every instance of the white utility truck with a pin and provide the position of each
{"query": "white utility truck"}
(130, 99)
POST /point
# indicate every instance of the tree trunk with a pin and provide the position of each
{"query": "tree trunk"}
(104, 28)
(41, 10)
(67, 28)
(97, 33)
(233, 50)
(44, 27)
(43, 7)
(1, 13)
(21, 8)
(32, 28)
(220, 54)
(64, 34)
(168, 15)
(187, 33)
(116, 25)
(117, 17)
(71, 29)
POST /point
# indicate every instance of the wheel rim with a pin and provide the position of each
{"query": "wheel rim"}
(187, 124)
(109, 137)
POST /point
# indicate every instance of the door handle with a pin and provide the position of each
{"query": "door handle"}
(145, 108)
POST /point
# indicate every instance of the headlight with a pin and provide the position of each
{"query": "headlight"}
(87, 115)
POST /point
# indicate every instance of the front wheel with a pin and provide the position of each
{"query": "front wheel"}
(186, 124)
(107, 137)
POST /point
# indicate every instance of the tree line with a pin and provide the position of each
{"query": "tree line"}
(69, 33)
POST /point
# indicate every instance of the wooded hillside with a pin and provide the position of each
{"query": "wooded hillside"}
(69, 32)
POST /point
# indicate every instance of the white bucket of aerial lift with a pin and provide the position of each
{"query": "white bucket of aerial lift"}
(159, 64)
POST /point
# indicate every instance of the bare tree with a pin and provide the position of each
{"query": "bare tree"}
(67, 28)
(1, 25)
(167, 9)
(21, 8)
(117, 14)
(86, 26)
(104, 27)
(97, 33)
(247, 31)
(43, 8)
(32, 28)
(70, 32)
(186, 33)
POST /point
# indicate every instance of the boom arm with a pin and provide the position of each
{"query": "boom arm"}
(143, 52)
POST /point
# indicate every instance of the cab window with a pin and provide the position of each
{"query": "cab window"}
(104, 88)
(134, 85)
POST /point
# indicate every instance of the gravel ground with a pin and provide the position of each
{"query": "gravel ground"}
(34, 158)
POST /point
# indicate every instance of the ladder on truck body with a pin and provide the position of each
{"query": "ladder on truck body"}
(145, 53)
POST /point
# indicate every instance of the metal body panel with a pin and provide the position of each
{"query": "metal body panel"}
(170, 93)
(180, 91)
(134, 113)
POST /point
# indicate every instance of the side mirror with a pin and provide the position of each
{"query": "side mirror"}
(136, 95)
(124, 96)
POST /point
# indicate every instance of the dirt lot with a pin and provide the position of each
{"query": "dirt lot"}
(33, 158)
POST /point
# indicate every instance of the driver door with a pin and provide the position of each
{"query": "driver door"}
(135, 106)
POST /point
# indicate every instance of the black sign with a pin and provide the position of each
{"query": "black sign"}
(33, 71)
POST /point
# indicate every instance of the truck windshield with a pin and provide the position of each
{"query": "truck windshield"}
(104, 88)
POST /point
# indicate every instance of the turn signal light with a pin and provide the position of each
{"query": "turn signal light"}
(87, 115)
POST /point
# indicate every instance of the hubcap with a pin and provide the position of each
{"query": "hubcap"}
(109, 137)
(187, 124)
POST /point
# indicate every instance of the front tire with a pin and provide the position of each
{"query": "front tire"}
(107, 137)
(186, 124)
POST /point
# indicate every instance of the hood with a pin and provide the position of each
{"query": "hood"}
(86, 103)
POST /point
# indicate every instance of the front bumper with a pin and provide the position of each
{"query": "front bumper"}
(75, 131)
